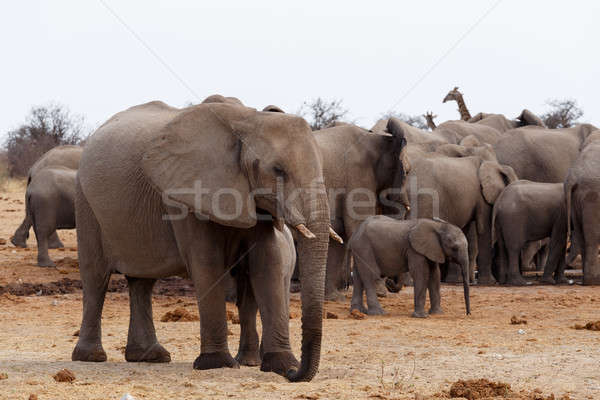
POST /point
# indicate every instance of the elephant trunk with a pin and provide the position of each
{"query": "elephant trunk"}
(312, 258)
(464, 265)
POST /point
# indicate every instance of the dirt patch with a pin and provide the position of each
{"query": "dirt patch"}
(479, 389)
(64, 375)
(590, 326)
(67, 262)
(331, 315)
(357, 314)
(514, 320)
(179, 315)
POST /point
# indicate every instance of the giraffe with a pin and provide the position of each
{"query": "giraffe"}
(429, 117)
(457, 96)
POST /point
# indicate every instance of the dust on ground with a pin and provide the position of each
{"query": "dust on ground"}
(385, 357)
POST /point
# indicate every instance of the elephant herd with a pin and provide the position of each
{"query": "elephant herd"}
(222, 192)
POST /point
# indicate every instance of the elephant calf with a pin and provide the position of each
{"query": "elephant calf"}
(388, 246)
(50, 203)
(526, 212)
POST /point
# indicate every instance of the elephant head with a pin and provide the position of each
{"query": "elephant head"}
(528, 118)
(439, 242)
(268, 161)
(217, 98)
(494, 178)
(272, 108)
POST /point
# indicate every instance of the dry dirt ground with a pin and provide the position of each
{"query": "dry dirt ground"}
(388, 357)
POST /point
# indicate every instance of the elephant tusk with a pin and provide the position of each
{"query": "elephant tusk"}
(335, 236)
(305, 231)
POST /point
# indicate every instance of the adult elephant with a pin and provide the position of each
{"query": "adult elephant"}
(582, 194)
(502, 124)
(358, 167)
(164, 191)
(428, 141)
(542, 155)
(461, 191)
(67, 156)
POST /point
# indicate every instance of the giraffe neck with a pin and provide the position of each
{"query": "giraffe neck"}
(465, 115)
(430, 123)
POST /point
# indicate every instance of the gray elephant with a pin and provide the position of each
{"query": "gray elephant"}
(582, 194)
(527, 212)
(388, 246)
(50, 204)
(67, 156)
(461, 191)
(542, 155)
(502, 124)
(163, 191)
(428, 141)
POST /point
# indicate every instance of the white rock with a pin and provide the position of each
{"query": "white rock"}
(521, 331)
(127, 396)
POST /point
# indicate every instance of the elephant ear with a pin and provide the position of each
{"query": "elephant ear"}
(470, 141)
(424, 239)
(494, 178)
(528, 118)
(195, 161)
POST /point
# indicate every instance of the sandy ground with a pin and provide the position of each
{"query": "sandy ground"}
(387, 357)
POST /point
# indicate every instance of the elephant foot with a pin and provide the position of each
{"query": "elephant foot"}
(561, 279)
(437, 310)
(486, 280)
(93, 353)
(335, 295)
(154, 354)
(380, 288)
(46, 263)
(250, 358)
(55, 244)
(19, 242)
(548, 280)
(219, 359)
(376, 311)
(295, 287)
(419, 314)
(392, 286)
(358, 307)
(591, 280)
(279, 362)
(517, 280)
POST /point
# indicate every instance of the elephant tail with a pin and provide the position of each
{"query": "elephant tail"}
(569, 188)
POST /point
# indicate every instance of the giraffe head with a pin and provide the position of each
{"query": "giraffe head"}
(454, 94)
(429, 116)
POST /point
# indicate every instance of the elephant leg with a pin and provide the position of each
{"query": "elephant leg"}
(542, 255)
(357, 291)
(434, 287)
(142, 344)
(514, 274)
(368, 274)
(95, 276)
(454, 274)
(484, 257)
(419, 270)
(54, 241)
(335, 270)
(41, 234)
(248, 351)
(501, 261)
(21, 235)
(528, 254)
(591, 238)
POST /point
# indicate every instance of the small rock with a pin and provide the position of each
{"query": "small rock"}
(331, 315)
(64, 375)
(76, 333)
(179, 315)
(54, 302)
(357, 314)
(521, 331)
(127, 396)
(3, 376)
(517, 321)
(2, 242)
(33, 397)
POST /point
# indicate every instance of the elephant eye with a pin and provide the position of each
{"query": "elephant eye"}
(279, 171)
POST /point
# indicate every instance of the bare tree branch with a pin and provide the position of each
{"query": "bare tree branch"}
(562, 114)
(322, 113)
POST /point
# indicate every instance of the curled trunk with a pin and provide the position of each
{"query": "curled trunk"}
(464, 265)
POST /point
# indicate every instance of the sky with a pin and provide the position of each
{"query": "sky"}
(98, 57)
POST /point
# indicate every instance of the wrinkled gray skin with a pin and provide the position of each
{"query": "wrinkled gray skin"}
(50, 204)
(502, 124)
(526, 212)
(485, 151)
(357, 166)
(461, 191)
(542, 155)
(390, 247)
(582, 194)
(60, 156)
(148, 205)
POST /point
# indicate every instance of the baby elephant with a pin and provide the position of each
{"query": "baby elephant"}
(387, 246)
(50, 201)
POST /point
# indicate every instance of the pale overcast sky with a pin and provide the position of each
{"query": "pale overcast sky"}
(367, 53)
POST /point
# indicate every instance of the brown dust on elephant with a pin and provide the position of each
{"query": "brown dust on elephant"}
(164, 191)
